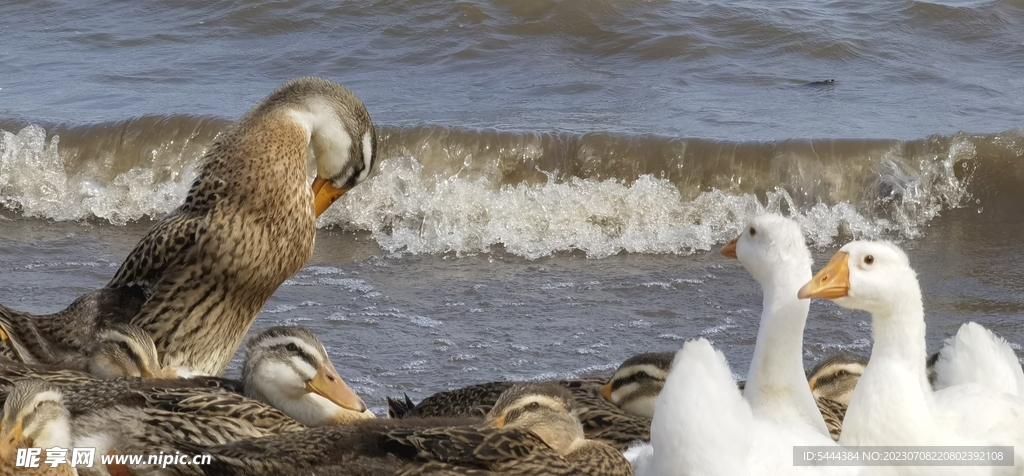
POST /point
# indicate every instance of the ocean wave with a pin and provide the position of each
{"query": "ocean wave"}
(440, 189)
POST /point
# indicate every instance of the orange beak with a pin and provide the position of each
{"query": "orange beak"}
(729, 250)
(329, 385)
(833, 281)
(324, 194)
(606, 391)
(499, 422)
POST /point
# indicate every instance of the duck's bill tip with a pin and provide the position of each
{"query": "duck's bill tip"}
(324, 195)
(729, 250)
(832, 282)
(329, 385)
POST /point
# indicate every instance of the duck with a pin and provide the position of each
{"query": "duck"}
(34, 417)
(832, 382)
(531, 429)
(288, 383)
(248, 223)
(834, 377)
(893, 403)
(635, 385)
(616, 411)
(702, 423)
(62, 339)
(121, 350)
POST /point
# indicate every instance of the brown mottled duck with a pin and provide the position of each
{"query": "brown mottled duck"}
(247, 224)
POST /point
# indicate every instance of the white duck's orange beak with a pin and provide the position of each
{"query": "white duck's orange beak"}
(729, 250)
(833, 281)
(324, 194)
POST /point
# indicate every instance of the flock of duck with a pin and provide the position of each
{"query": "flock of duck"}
(134, 368)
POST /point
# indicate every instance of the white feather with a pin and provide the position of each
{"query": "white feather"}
(976, 355)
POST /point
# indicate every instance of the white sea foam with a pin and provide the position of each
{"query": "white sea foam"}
(409, 208)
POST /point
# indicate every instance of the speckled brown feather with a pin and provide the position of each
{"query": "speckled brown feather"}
(833, 412)
(601, 420)
(363, 444)
(422, 446)
(63, 337)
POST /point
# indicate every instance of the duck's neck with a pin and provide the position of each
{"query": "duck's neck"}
(898, 332)
(777, 386)
(304, 407)
(893, 401)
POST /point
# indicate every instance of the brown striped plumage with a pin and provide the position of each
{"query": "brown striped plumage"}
(139, 416)
(530, 431)
(832, 382)
(247, 224)
(637, 380)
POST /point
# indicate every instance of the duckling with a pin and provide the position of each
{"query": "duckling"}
(125, 350)
(635, 386)
(247, 224)
(835, 377)
(288, 381)
(63, 338)
(832, 382)
(121, 350)
(34, 417)
(530, 430)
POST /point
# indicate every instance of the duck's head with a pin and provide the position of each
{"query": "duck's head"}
(288, 367)
(342, 139)
(835, 377)
(865, 275)
(635, 386)
(770, 246)
(125, 350)
(34, 417)
(548, 410)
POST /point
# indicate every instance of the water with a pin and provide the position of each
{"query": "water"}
(555, 176)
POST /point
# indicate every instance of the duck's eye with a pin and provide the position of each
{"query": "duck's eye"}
(533, 406)
(753, 231)
(842, 373)
(642, 374)
(292, 347)
(869, 260)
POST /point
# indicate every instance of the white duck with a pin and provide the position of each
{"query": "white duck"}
(893, 403)
(702, 425)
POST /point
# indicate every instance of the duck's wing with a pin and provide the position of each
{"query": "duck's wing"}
(976, 355)
(482, 449)
(701, 410)
(221, 404)
(62, 338)
(607, 423)
(473, 401)
(598, 458)
(163, 245)
(11, 372)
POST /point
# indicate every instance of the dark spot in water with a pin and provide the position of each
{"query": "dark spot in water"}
(826, 82)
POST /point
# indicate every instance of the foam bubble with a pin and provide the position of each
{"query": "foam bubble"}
(33, 180)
